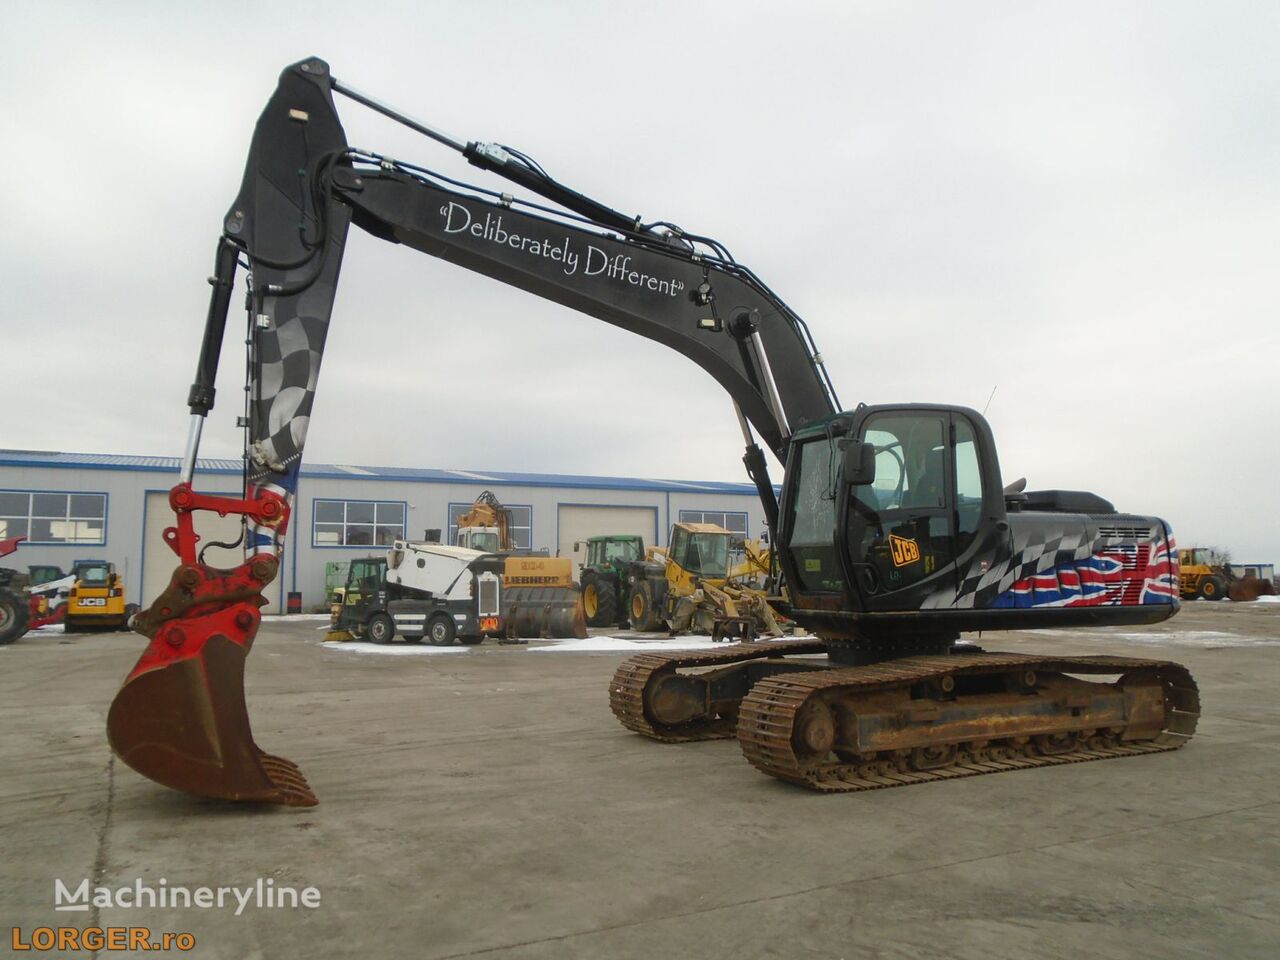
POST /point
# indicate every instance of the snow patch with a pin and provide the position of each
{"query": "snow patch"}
(1193, 638)
(393, 649)
(607, 644)
(295, 617)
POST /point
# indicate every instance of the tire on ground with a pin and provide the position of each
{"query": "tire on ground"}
(440, 630)
(381, 628)
(14, 616)
(600, 602)
(643, 617)
(1213, 588)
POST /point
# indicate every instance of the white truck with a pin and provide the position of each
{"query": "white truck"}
(424, 591)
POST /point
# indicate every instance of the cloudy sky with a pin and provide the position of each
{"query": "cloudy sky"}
(1075, 205)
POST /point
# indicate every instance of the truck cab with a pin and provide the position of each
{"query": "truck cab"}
(484, 539)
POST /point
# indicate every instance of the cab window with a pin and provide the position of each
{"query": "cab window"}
(812, 519)
(92, 573)
(899, 525)
(621, 550)
(968, 485)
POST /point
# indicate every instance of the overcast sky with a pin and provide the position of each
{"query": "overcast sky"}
(1075, 204)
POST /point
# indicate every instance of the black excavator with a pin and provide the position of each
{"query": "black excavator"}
(894, 531)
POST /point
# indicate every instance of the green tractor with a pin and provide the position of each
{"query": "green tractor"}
(605, 588)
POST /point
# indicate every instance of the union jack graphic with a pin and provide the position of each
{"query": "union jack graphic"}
(1121, 574)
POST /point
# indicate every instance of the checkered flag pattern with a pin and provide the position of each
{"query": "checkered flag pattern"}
(1035, 550)
(287, 370)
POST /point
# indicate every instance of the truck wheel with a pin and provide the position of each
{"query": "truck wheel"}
(643, 617)
(600, 603)
(472, 641)
(1213, 588)
(14, 616)
(381, 628)
(440, 631)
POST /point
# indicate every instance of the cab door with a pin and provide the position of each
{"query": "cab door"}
(900, 529)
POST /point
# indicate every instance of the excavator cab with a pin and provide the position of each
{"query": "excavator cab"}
(902, 533)
(885, 540)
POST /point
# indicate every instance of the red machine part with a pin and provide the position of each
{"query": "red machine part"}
(180, 717)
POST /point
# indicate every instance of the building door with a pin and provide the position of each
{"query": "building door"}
(578, 522)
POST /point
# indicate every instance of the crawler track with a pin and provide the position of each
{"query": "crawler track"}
(626, 691)
(769, 737)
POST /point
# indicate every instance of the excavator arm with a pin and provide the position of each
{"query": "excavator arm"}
(180, 717)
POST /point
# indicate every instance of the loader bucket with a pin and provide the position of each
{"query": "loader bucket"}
(1250, 588)
(180, 717)
(544, 612)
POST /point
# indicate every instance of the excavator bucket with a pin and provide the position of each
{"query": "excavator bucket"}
(185, 725)
(180, 718)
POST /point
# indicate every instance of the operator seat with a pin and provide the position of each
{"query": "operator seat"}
(929, 488)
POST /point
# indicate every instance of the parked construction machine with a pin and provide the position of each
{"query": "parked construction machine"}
(15, 606)
(96, 600)
(893, 533)
(1204, 574)
(606, 588)
(422, 591)
(539, 596)
(696, 586)
(30, 600)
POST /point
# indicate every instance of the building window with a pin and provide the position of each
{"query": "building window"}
(49, 517)
(735, 523)
(521, 524)
(356, 523)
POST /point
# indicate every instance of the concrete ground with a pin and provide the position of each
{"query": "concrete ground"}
(486, 803)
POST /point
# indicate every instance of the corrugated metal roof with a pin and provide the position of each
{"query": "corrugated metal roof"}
(357, 472)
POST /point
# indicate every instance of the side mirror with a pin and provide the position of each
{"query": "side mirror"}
(859, 463)
(577, 545)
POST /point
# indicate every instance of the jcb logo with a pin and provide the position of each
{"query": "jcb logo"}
(904, 551)
(93, 601)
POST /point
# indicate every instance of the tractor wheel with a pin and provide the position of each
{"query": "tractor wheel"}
(381, 628)
(130, 611)
(1213, 588)
(644, 618)
(600, 603)
(440, 631)
(15, 614)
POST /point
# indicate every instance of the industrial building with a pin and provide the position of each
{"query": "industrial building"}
(79, 506)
